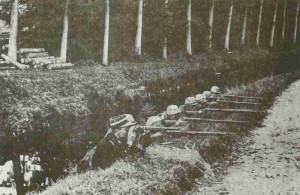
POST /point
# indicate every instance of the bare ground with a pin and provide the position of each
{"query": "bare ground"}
(269, 160)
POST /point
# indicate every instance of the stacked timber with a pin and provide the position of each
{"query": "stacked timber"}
(4, 35)
(27, 55)
(31, 50)
(40, 58)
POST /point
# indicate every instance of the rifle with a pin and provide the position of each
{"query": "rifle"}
(239, 103)
(176, 130)
(203, 133)
(235, 97)
(233, 110)
(226, 110)
(216, 121)
(243, 97)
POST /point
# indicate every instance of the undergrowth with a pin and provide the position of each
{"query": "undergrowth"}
(156, 176)
(61, 113)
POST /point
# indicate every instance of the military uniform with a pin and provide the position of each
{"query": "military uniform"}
(113, 145)
(215, 96)
(172, 113)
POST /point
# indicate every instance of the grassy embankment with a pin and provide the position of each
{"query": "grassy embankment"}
(66, 103)
(156, 176)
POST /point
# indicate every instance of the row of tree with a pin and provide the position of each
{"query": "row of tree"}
(158, 27)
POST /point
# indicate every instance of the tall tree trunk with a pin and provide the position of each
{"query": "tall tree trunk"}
(274, 25)
(64, 39)
(165, 49)
(106, 36)
(18, 175)
(13, 35)
(210, 23)
(244, 27)
(138, 40)
(296, 24)
(283, 24)
(250, 19)
(189, 29)
(259, 23)
(228, 27)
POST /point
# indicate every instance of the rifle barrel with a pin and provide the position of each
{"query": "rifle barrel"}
(241, 97)
(232, 110)
(205, 133)
(161, 128)
(216, 121)
(240, 103)
(192, 112)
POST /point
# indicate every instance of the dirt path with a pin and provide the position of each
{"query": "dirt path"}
(270, 161)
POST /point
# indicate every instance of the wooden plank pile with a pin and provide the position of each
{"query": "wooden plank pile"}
(28, 57)
(4, 35)
(39, 58)
(4, 38)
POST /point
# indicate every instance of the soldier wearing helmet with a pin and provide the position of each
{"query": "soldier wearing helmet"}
(190, 104)
(207, 94)
(173, 113)
(201, 100)
(215, 95)
(215, 91)
(113, 144)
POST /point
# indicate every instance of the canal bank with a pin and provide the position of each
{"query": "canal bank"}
(60, 114)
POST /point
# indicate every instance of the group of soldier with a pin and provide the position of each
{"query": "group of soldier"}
(125, 134)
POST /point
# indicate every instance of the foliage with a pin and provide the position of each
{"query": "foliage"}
(147, 176)
(43, 20)
(156, 176)
(220, 149)
(78, 92)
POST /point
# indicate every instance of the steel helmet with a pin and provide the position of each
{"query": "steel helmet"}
(215, 89)
(206, 94)
(200, 98)
(172, 110)
(190, 101)
(154, 121)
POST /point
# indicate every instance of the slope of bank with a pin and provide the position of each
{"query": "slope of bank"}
(26, 94)
(163, 176)
(69, 109)
(269, 160)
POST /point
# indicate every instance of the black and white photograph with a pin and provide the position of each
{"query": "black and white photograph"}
(149, 97)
